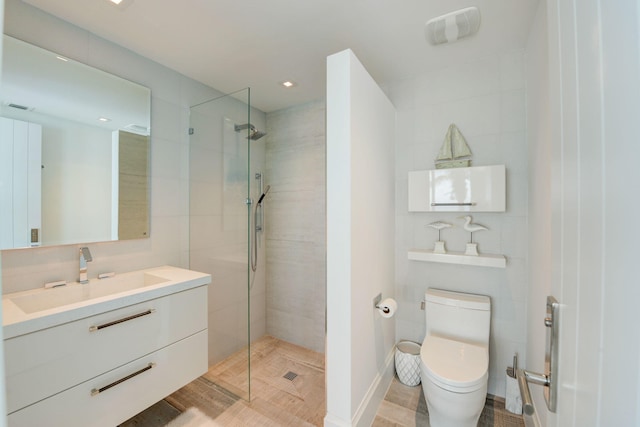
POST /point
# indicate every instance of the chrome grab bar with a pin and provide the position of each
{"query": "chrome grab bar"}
(550, 379)
(524, 377)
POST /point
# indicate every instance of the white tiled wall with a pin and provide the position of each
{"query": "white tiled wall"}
(486, 100)
(295, 224)
(172, 94)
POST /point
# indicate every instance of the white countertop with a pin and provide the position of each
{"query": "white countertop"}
(17, 322)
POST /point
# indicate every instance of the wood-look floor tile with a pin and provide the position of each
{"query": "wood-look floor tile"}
(383, 422)
(409, 397)
(276, 401)
(299, 401)
(159, 414)
(282, 417)
(402, 416)
(240, 415)
(400, 396)
(204, 395)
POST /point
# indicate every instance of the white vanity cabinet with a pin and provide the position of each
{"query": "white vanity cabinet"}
(103, 369)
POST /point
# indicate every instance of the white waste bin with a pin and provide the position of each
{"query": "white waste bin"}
(407, 360)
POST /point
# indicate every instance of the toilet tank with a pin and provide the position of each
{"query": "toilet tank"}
(460, 316)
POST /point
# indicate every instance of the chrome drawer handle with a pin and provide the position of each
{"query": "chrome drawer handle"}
(124, 319)
(97, 391)
(453, 204)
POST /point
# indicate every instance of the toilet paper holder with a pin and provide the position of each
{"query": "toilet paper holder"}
(385, 310)
(550, 378)
(376, 303)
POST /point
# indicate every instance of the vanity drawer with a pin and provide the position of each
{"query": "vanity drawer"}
(160, 374)
(45, 362)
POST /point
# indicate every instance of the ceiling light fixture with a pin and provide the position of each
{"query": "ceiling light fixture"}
(288, 84)
(122, 4)
(62, 58)
(104, 119)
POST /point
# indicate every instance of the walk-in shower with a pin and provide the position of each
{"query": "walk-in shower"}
(226, 200)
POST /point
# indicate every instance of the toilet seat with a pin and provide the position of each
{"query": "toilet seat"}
(453, 365)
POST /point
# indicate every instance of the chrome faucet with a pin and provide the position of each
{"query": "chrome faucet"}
(85, 257)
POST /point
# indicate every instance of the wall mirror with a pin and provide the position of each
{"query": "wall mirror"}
(74, 151)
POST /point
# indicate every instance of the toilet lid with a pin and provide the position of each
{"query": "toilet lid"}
(454, 365)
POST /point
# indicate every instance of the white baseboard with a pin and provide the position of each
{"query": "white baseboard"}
(368, 408)
(331, 421)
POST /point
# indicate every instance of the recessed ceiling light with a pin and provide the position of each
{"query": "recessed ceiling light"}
(62, 58)
(289, 84)
(122, 4)
(104, 119)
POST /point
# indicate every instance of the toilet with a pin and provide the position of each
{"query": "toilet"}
(454, 357)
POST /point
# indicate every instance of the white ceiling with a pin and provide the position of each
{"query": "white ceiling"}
(232, 44)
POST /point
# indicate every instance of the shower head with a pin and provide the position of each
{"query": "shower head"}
(266, 190)
(254, 134)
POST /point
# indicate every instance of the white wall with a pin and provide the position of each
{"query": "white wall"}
(594, 78)
(539, 142)
(295, 225)
(172, 94)
(485, 98)
(360, 240)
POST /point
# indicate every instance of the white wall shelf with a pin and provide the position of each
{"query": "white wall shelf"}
(481, 260)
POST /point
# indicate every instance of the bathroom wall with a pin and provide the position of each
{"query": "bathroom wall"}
(360, 238)
(539, 153)
(172, 94)
(295, 225)
(485, 98)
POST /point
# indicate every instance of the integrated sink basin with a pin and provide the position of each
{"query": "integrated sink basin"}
(74, 293)
(32, 310)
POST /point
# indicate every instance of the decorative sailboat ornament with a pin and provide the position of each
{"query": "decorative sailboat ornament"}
(455, 152)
